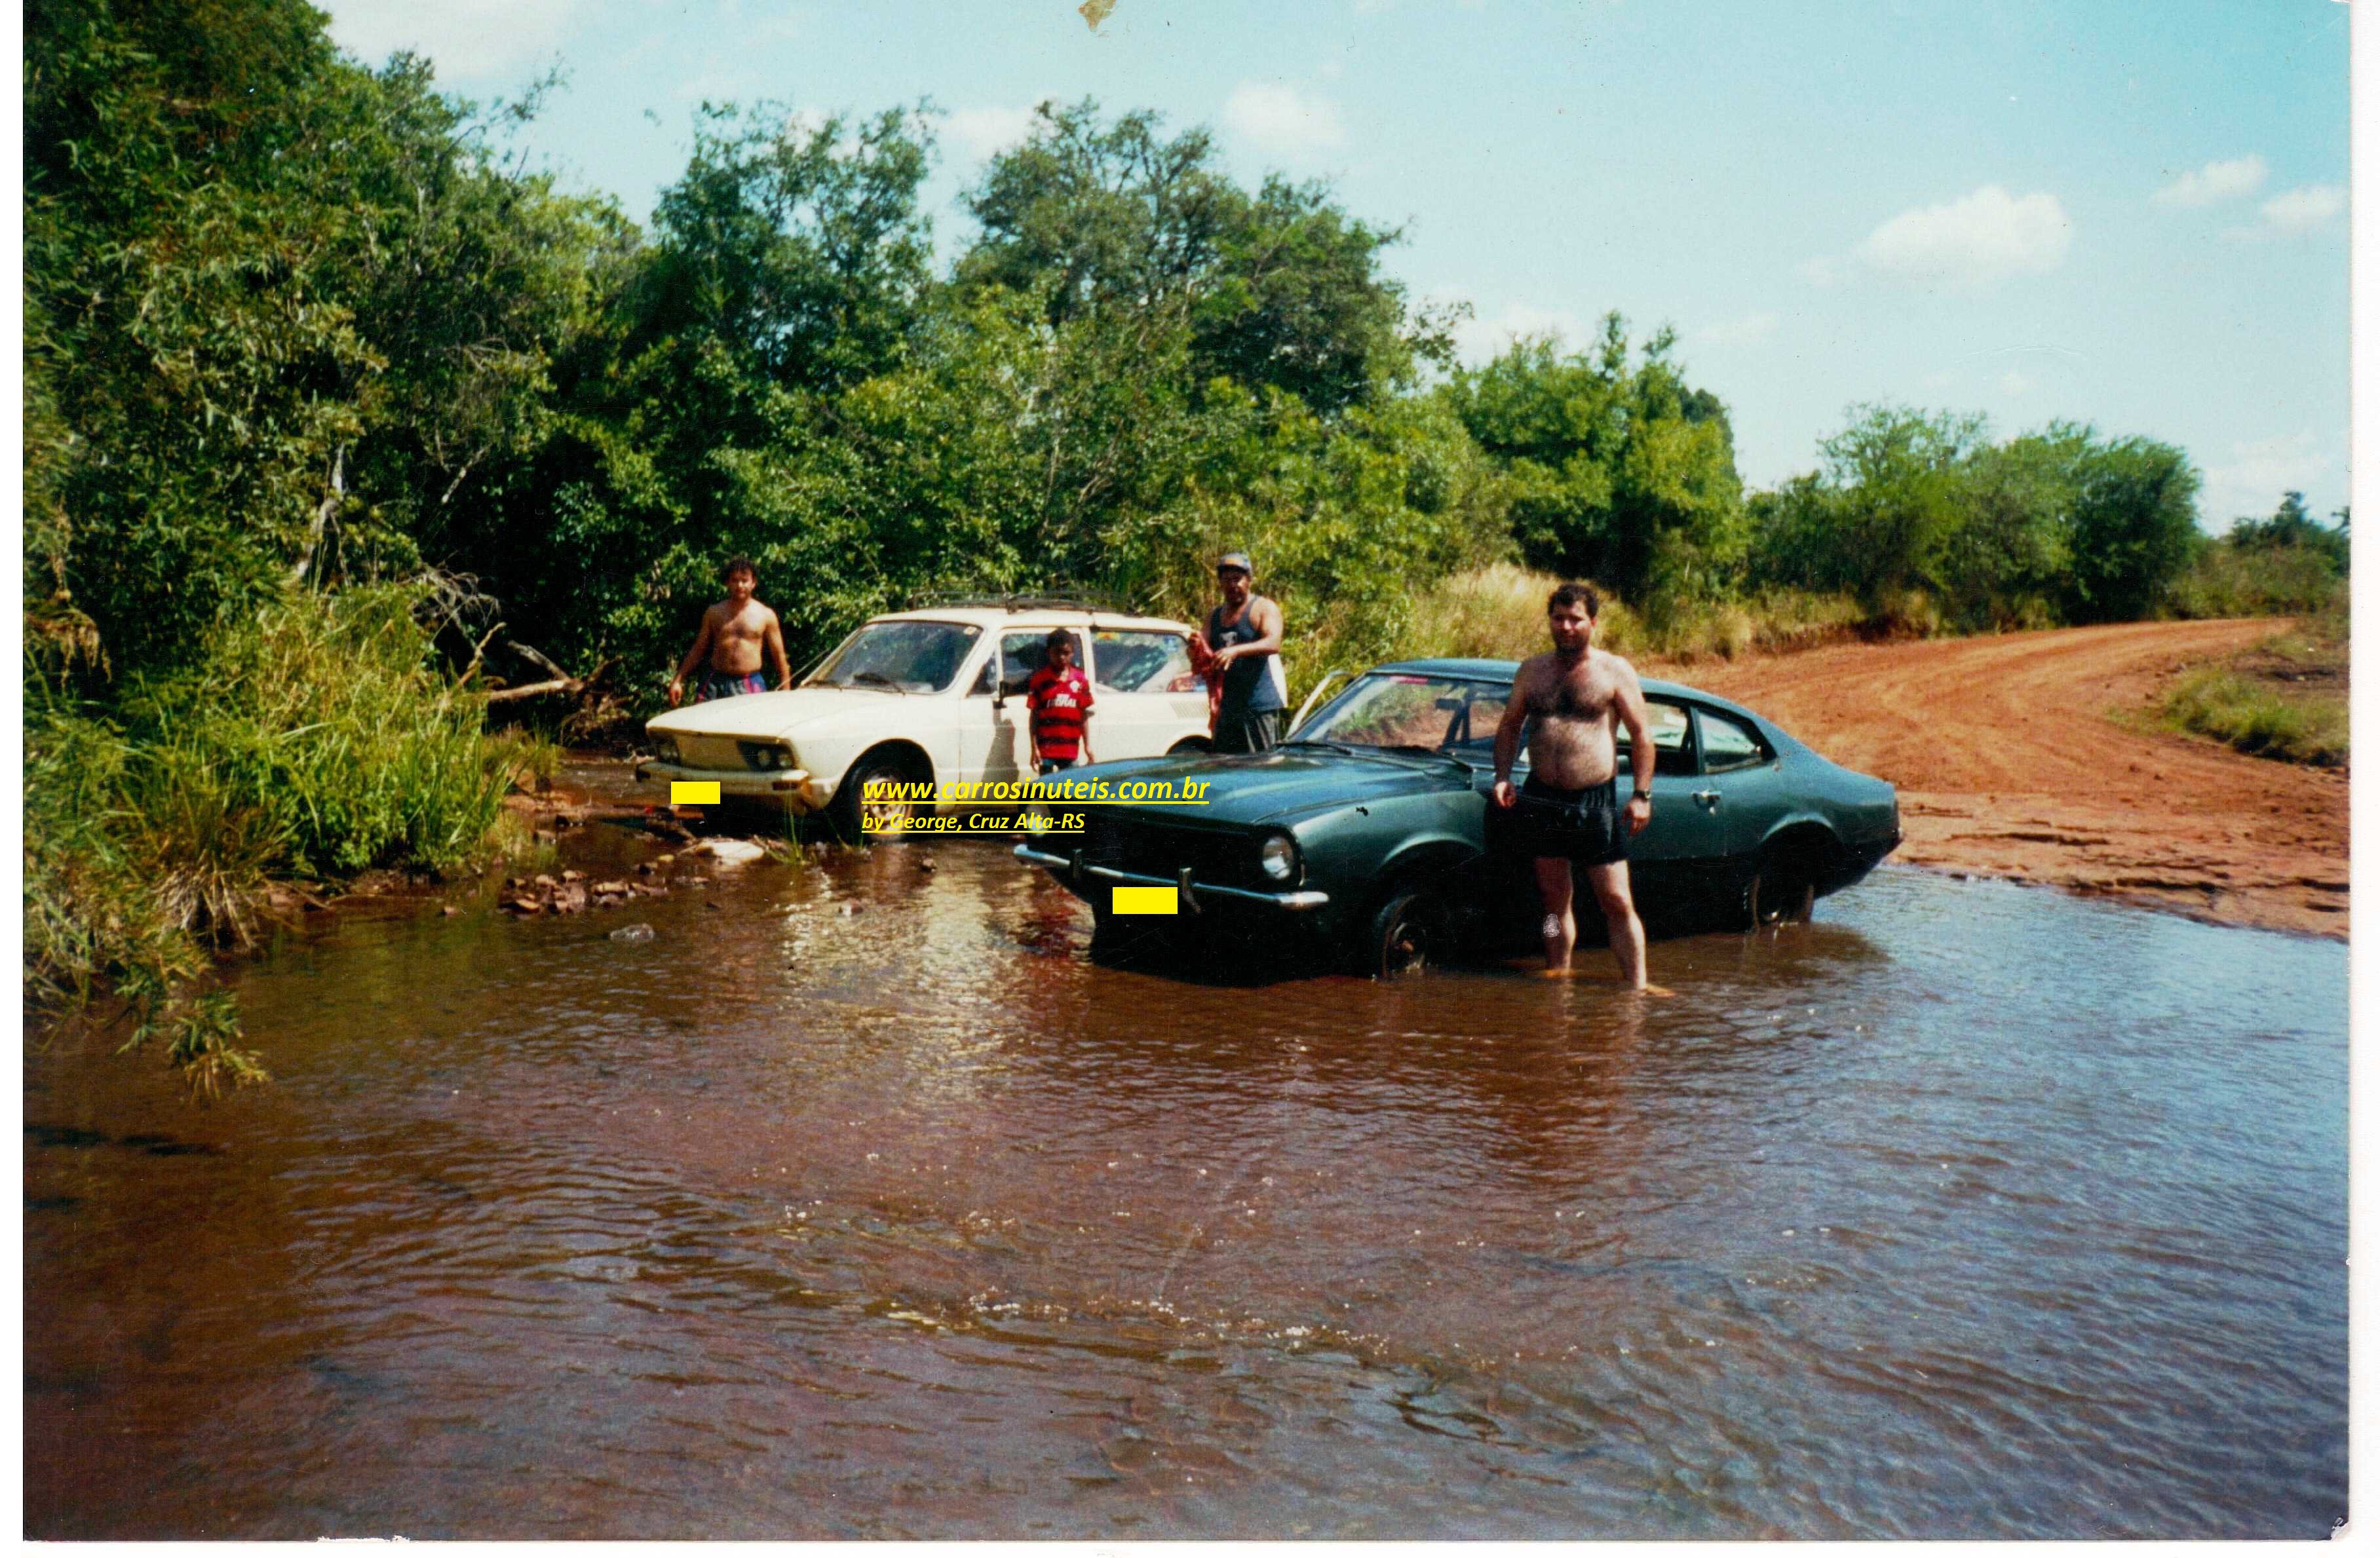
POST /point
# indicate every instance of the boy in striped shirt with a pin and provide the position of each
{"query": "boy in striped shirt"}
(1060, 698)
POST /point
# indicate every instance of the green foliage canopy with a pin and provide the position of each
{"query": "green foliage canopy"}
(1623, 474)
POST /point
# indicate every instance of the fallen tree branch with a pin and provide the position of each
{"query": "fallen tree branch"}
(478, 650)
(538, 660)
(535, 689)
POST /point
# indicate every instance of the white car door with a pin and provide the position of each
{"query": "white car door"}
(983, 728)
(1146, 696)
(996, 724)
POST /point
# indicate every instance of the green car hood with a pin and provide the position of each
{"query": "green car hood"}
(1267, 787)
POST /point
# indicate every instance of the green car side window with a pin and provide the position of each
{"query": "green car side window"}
(1729, 743)
(1673, 738)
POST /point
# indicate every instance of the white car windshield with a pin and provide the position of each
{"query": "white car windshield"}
(899, 657)
(1404, 709)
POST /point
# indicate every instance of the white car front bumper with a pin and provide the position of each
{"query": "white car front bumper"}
(794, 789)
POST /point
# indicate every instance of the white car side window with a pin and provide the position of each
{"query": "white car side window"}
(1140, 662)
(1022, 654)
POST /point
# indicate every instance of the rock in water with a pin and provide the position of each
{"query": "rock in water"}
(638, 931)
(732, 851)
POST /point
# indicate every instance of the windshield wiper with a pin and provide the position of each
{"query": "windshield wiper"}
(1328, 746)
(873, 677)
(1431, 752)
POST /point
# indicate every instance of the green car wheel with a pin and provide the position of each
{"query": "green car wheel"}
(1409, 932)
(1783, 890)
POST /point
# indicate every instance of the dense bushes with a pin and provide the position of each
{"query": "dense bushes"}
(311, 740)
(2287, 563)
(1923, 517)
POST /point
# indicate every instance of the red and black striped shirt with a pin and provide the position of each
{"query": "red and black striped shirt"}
(1059, 702)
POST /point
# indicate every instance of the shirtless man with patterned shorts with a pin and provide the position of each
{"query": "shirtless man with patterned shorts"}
(736, 633)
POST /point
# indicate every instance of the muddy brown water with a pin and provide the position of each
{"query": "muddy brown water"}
(1970, 1209)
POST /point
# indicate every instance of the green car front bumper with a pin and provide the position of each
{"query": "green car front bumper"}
(1083, 876)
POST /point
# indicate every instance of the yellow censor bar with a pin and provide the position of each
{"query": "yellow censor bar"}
(694, 793)
(1147, 900)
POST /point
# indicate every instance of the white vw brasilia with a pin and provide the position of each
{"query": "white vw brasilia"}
(934, 696)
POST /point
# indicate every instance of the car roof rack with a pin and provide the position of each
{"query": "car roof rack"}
(1066, 601)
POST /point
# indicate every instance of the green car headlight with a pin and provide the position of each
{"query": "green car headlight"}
(1278, 855)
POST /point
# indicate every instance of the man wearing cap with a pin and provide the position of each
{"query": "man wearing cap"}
(1245, 633)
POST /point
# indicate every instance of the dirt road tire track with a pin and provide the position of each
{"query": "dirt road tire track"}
(2012, 762)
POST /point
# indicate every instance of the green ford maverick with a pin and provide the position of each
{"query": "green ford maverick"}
(1363, 834)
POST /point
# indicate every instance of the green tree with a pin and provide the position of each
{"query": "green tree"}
(1280, 289)
(2291, 525)
(2005, 563)
(2134, 528)
(279, 306)
(789, 266)
(1622, 473)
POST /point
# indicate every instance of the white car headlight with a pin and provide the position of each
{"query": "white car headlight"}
(1278, 855)
(665, 749)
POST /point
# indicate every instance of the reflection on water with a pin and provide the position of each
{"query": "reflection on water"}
(860, 1202)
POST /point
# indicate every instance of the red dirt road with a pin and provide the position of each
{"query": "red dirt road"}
(2010, 765)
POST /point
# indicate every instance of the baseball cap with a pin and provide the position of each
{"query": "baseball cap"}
(1238, 560)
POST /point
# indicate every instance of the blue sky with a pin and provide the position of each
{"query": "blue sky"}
(2130, 214)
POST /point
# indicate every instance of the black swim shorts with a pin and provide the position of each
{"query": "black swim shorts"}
(1587, 827)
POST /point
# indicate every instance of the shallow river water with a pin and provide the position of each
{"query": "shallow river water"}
(860, 1202)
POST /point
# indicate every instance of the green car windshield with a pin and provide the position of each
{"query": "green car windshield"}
(1404, 709)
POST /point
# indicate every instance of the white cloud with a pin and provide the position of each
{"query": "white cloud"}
(2292, 213)
(1972, 243)
(1476, 340)
(2216, 181)
(465, 39)
(984, 133)
(1749, 330)
(2250, 484)
(2297, 211)
(1277, 118)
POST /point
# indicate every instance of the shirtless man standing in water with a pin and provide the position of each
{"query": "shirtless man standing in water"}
(1573, 701)
(736, 633)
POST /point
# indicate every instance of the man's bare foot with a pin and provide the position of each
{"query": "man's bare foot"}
(1658, 992)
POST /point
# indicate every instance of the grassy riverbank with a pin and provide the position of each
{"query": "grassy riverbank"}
(309, 743)
(2285, 699)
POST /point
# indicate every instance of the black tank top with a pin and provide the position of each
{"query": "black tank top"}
(1247, 681)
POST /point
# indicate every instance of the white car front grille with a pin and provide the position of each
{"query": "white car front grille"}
(709, 752)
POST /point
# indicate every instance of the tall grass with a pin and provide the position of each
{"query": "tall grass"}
(2227, 581)
(2221, 702)
(312, 740)
(1499, 612)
